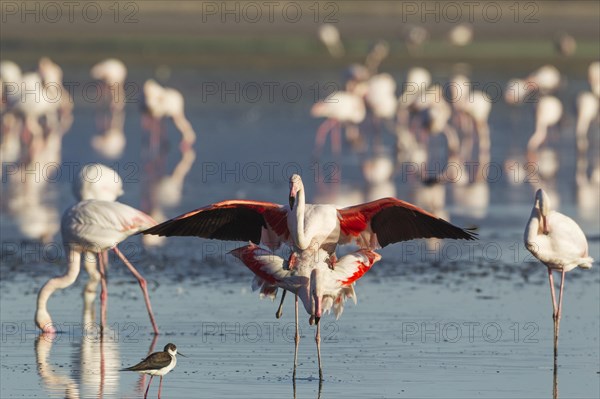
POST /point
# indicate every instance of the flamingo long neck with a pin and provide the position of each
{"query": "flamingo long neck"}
(301, 240)
(42, 317)
(533, 226)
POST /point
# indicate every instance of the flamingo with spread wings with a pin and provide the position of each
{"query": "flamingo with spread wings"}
(308, 229)
(300, 225)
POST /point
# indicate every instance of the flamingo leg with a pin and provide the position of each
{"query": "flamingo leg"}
(296, 341)
(322, 131)
(103, 292)
(160, 387)
(560, 300)
(318, 341)
(143, 286)
(554, 311)
(149, 382)
(280, 308)
(336, 139)
(89, 292)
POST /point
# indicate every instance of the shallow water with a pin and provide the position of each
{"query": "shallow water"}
(462, 321)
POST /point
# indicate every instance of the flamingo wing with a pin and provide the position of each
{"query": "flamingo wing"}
(270, 270)
(235, 220)
(351, 267)
(389, 220)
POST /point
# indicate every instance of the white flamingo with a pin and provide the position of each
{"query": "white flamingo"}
(111, 73)
(411, 103)
(558, 242)
(548, 113)
(164, 102)
(302, 226)
(94, 226)
(341, 108)
(544, 80)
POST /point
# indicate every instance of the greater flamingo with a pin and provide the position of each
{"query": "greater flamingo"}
(300, 225)
(548, 113)
(307, 227)
(411, 103)
(164, 102)
(94, 226)
(381, 101)
(311, 278)
(341, 108)
(111, 74)
(560, 244)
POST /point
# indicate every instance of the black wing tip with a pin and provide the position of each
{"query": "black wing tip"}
(459, 233)
(471, 233)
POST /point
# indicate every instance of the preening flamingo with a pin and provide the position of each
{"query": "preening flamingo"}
(560, 244)
(94, 226)
(311, 278)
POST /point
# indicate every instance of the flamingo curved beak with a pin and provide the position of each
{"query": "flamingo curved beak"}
(292, 201)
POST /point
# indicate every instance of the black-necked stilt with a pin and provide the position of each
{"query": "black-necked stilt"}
(158, 363)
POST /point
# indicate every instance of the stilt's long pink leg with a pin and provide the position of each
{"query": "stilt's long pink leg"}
(103, 292)
(160, 387)
(149, 382)
(143, 286)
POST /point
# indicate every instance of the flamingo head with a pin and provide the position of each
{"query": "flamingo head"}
(542, 203)
(296, 186)
(316, 294)
(44, 321)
